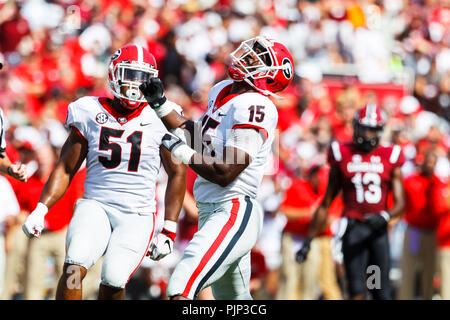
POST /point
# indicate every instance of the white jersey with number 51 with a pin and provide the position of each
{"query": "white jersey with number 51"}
(123, 159)
(230, 112)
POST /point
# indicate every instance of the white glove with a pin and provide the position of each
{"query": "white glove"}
(162, 245)
(34, 224)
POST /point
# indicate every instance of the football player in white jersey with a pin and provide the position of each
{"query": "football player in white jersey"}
(16, 170)
(120, 140)
(235, 135)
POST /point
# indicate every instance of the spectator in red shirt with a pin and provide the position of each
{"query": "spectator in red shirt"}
(300, 200)
(346, 103)
(52, 240)
(422, 216)
(440, 200)
(13, 27)
(259, 272)
(15, 257)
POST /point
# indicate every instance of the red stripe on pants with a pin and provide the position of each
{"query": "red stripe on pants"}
(226, 228)
(148, 245)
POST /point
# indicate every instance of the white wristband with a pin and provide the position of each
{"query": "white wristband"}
(41, 209)
(179, 133)
(170, 226)
(385, 215)
(165, 109)
(184, 153)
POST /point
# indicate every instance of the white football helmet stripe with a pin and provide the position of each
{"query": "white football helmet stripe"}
(140, 53)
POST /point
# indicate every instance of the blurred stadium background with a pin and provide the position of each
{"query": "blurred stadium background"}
(395, 53)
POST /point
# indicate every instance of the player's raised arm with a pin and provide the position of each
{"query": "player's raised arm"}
(162, 245)
(153, 90)
(72, 156)
(219, 171)
(166, 110)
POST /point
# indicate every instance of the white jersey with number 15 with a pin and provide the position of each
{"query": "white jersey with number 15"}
(232, 112)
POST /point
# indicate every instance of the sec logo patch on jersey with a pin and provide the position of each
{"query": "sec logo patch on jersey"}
(101, 118)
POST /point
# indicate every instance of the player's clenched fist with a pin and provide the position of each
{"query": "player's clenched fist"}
(34, 224)
(153, 90)
(162, 245)
(302, 254)
(377, 221)
(18, 171)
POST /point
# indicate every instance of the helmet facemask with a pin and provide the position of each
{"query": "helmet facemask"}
(254, 62)
(362, 140)
(126, 79)
(368, 126)
(253, 59)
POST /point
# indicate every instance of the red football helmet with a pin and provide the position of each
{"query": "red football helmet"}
(130, 66)
(265, 64)
(371, 117)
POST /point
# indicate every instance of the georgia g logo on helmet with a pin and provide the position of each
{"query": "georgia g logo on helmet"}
(115, 55)
(287, 68)
(271, 69)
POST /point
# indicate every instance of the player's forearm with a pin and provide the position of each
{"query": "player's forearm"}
(189, 206)
(398, 194)
(220, 171)
(174, 196)
(397, 209)
(212, 169)
(72, 155)
(320, 218)
(319, 221)
(55, 186)
(174, 120)
(5, 163)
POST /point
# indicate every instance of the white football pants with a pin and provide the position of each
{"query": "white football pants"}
(97, 229)
(219, 253)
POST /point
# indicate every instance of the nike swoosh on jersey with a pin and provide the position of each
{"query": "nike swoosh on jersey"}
(222, 114)
(145, 123)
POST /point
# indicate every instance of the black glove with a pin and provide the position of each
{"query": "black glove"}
(302, 254)
(153, 91)
(377, 221)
